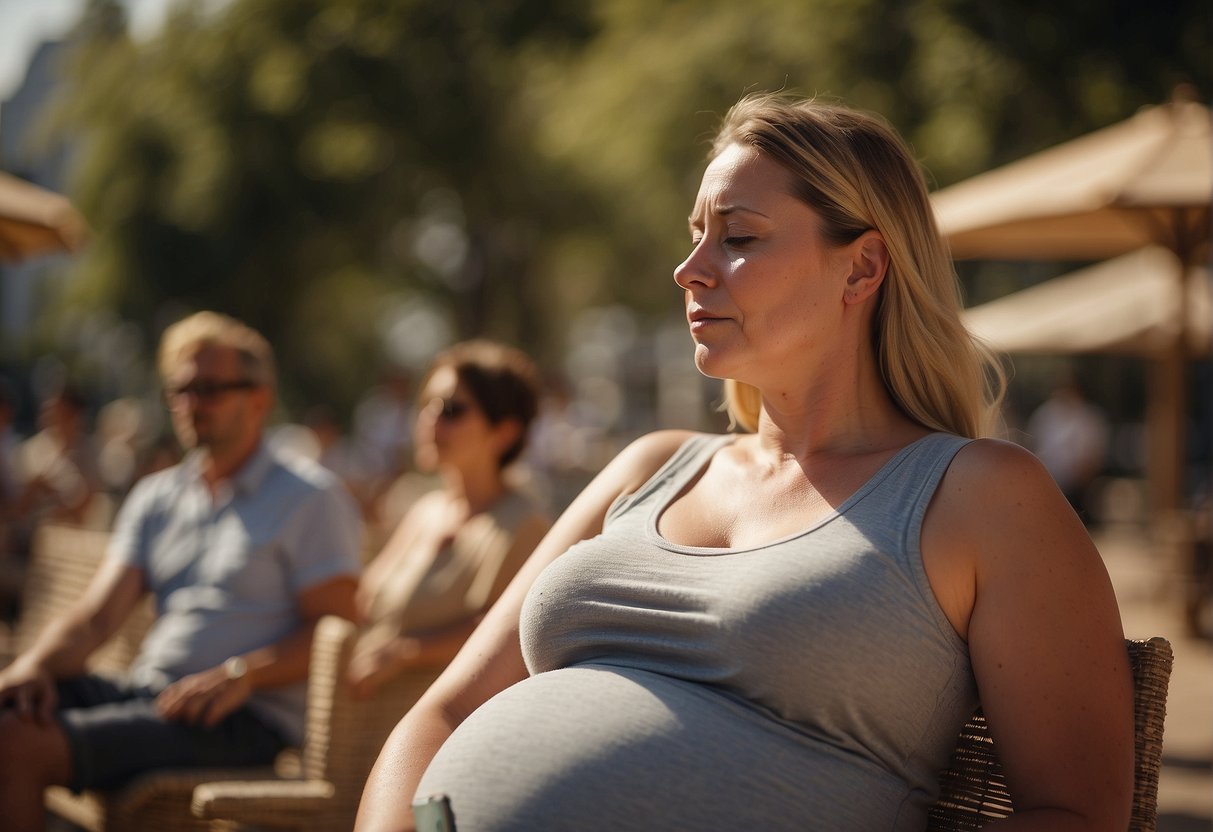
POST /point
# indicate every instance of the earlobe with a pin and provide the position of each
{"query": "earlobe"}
(869, 264)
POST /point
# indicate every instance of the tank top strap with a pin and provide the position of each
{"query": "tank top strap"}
(684, 463)
(904, 493)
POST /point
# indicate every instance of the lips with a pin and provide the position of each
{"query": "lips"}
(699, 317)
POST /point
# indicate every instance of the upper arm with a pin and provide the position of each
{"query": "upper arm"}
(322, 547)
(111, 595)
(491, 659)
(1044, 635)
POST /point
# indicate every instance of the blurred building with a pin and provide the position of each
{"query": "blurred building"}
(25, 152)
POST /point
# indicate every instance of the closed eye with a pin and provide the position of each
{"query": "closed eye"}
(738, 241)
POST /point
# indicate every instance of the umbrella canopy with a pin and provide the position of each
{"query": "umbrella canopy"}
(36, 221)
(1130, 305)
(1143, 181)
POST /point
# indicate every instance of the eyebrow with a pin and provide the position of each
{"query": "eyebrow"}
(725, 210)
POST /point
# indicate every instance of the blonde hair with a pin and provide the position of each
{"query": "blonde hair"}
(857, 174)
(211, 329)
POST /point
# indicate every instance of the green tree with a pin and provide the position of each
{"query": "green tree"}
(969, 84)
(298, 162)
(316, 165)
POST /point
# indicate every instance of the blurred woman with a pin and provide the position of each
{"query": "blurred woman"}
(458, 546)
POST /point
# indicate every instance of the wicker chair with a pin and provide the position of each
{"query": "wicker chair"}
(344, 736)
(62, 565)
(973, 790)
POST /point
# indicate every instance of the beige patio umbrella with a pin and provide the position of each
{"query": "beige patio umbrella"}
(1144, 181)
(36, 221)
(1129, 305)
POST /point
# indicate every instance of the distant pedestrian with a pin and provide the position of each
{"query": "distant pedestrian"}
(1070, 436)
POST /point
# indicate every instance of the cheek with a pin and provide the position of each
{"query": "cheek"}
(425, 456)
(423, 431)
(183, 422)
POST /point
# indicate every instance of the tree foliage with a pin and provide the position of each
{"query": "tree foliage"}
(313, 165)
(298, 163)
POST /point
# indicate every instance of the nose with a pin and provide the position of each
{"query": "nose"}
(430, 412)
(695, 268)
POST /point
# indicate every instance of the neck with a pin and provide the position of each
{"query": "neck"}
(843, 410)
(222, 464)
(478, 489)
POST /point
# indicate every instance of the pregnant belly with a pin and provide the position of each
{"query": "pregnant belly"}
(602, 748)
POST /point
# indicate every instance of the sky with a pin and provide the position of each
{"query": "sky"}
(26, 23)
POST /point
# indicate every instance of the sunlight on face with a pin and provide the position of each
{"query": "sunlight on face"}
(762, 288)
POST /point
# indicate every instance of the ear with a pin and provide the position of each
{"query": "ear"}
(869, 265)
(506, 433)
(263, 401)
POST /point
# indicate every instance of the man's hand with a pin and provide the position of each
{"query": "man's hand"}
(204, 698)
(29, 689)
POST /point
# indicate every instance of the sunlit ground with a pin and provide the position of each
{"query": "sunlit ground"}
(1149, 585)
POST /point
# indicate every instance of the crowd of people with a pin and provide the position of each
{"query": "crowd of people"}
(245, 543)
(781, 627)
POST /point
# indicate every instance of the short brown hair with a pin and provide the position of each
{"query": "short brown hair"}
(503, 381)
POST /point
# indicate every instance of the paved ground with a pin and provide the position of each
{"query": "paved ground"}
(1148, 586)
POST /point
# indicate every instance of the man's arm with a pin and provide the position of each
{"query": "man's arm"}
(209, 696)
(62, 649)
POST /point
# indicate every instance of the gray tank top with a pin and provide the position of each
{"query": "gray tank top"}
(808, 683)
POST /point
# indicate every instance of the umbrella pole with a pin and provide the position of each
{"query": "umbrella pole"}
(1167, 426)
(1166, 438)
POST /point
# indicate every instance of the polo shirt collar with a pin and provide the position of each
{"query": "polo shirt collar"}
(247, 479)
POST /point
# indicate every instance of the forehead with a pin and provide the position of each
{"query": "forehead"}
(742, 177)
(442, 383)
(207, 360)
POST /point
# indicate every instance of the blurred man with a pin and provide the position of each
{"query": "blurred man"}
(244, 551)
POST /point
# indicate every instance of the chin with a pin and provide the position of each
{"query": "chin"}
(710, 364)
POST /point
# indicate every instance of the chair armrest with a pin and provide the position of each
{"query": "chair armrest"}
(271, 803)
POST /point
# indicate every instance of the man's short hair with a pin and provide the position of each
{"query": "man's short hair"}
(185, 338)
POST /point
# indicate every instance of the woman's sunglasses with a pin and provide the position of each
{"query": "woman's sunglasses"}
(453, 410)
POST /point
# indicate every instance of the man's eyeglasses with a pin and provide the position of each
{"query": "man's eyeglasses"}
(209, 390)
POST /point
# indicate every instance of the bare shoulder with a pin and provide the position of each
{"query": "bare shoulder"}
(428, 505)
(998, 521)
(1000, 510)
(641, 459)
(627, 472)
(997, 464)
(991, 479)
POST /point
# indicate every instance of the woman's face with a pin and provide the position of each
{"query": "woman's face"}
(451, 429)
(763, 291)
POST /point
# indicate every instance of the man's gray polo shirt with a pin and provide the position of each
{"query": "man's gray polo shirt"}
(226, 572)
